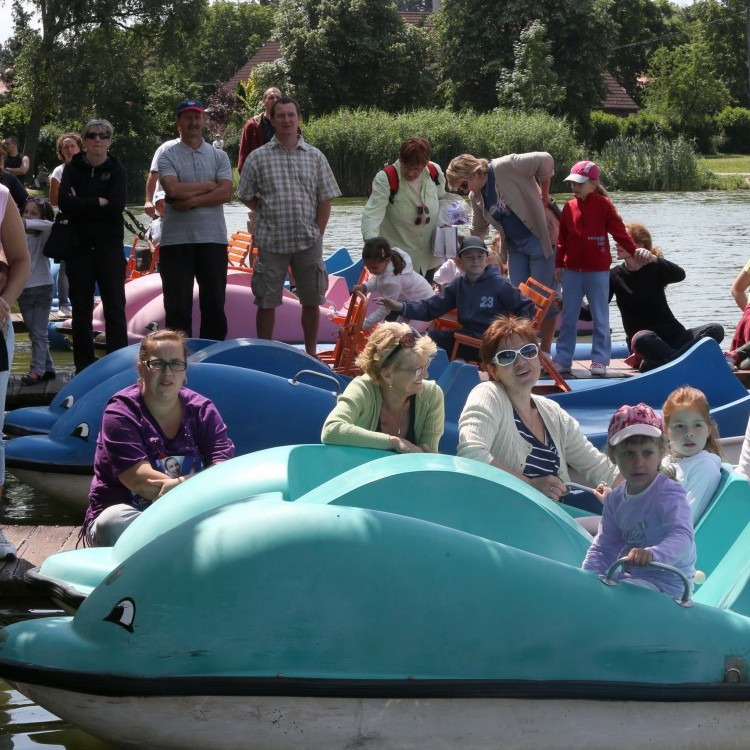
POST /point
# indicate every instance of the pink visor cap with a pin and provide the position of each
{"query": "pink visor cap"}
(627, 421)
(582, 172)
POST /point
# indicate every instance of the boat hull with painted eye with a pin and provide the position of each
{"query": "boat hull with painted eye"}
(411, 602)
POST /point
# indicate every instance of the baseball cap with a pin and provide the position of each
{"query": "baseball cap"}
(582, 172)
(188, 104)
(627, 421)
(471, 243)
(159, 195)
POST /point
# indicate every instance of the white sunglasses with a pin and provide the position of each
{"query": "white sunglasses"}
(507, 357)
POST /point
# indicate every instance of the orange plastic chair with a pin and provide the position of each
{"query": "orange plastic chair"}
(543, 297)
(131, 269)
(351, 339)
(241, 252)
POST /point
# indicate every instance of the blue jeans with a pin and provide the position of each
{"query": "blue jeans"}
(4, 377)
(35, 304)
(526, 258)
(594, 285)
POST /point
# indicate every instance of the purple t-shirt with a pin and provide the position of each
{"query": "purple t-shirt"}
(130, 435)
(657, 518)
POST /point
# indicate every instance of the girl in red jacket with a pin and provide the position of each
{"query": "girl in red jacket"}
(582, 262)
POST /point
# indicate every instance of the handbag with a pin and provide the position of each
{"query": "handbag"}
(62, 242)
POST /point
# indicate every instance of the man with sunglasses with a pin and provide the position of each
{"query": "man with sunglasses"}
(479, 294)
(197, 180)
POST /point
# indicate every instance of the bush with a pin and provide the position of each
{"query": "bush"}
(733, 124)
(359, 142)
(602, 127)
(658, 164)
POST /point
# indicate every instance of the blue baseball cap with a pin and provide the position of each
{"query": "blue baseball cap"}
(189, 104)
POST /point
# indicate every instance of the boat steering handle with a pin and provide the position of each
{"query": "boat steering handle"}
(295, 379)
(683, 601)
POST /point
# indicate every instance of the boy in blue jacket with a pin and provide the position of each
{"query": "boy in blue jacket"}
(479, 295)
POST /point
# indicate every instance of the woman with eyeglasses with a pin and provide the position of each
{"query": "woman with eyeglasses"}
(512, 194)
(529, 436)
(391, 406)
(144, 426)
(92, 194)
(404, 203)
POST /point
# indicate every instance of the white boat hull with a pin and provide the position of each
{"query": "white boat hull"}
(71, 489)
(280, 723)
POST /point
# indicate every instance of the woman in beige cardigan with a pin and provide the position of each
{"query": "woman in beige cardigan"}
(391, 406)
(512, 194)
(529, 436)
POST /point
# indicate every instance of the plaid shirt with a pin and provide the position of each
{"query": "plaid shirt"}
(289, 185)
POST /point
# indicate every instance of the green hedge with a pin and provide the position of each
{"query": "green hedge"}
(359, 142)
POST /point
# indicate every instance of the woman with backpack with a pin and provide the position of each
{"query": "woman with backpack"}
(404, 202)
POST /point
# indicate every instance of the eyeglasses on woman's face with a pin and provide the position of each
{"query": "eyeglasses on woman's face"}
(507, 357)
(175, 365)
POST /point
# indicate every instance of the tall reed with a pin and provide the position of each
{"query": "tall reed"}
(652, 165)
(359, 142)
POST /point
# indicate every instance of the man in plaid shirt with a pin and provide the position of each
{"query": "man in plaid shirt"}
(290, 186)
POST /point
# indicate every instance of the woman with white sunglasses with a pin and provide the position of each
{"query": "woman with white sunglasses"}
(529, 436)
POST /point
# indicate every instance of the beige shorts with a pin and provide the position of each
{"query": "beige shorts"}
(310, 276)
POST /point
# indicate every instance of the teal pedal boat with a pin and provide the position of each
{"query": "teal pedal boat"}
(314, 597)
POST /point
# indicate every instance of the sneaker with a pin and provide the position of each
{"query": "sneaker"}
(31, 378)
(64, 311)
(598, 369)
(7, 550)
(561, 368)
(731, 360)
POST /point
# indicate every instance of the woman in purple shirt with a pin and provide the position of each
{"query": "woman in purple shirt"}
(145, 429)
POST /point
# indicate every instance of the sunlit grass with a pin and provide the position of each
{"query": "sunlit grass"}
(735, 163)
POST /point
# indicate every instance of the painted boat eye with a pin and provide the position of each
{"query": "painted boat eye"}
(82, 431)
(123, 614)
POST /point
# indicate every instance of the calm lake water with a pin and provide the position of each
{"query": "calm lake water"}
(708, 234)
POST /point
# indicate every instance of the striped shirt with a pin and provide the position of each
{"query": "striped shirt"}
(544, 460)
(204, 224)
(289, 185)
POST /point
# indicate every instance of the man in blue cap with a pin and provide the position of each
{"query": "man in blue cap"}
(197, 180)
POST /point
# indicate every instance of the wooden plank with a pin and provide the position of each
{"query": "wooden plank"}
(34, 545)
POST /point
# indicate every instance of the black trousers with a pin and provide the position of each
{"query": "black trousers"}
(205, 263)
(87, 268)
(656, 351)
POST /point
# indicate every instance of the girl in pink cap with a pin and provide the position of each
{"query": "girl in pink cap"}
(647, 517)
(582, 261)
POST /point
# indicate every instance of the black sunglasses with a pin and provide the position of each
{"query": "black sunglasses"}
(422, 212)
(407, 341)
(100, 136)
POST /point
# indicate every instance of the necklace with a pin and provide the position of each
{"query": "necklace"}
(398, 421)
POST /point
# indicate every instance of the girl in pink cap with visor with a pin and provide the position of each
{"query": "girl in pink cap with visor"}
(647, 517)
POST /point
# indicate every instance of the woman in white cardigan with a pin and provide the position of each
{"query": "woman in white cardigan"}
(529, 436)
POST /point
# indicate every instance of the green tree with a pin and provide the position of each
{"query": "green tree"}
(352, 53)
(637, 29)
(532, 83)
(230, 34)
(722, 26)
(475, 42)
(263, 77)
(62, 24)
(685, 87)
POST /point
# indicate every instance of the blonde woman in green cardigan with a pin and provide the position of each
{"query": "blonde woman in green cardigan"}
(391, 406)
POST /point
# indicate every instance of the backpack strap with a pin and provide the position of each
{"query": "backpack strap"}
(392, 175)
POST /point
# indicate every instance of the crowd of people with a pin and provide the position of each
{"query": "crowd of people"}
(648, 488)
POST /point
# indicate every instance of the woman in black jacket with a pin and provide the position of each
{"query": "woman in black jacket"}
(652, 332)
(93, 191)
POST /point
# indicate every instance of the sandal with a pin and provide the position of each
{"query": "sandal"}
(31, 378)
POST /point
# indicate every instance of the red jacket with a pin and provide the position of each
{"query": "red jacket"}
(583, 244)
(252, 138)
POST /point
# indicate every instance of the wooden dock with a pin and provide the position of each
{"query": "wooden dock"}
(34, 545)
